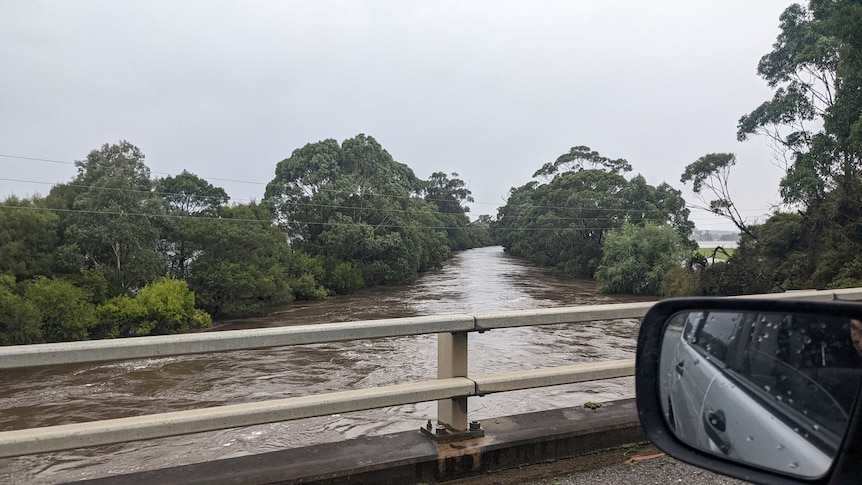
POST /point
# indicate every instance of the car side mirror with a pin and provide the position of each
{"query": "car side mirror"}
(762, 390)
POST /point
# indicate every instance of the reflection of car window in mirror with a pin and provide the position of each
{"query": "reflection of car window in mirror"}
(773, 390)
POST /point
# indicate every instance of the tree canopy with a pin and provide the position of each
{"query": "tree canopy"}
(355, 203)
(814, 120)
(563, 222)
(115, 252)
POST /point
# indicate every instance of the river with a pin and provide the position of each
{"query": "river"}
(477, 280)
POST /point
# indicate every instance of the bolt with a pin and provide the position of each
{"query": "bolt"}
(475, 425)
(428, 425)
(440, 429)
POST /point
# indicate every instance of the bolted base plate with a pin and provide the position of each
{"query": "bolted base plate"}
(441, 434)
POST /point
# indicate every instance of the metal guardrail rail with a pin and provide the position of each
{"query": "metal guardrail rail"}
(208, 342)
(450, 390)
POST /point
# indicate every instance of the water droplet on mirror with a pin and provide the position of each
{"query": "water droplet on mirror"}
(749, 439)
(781, 448)
(767, 388)
(794, 465)
(816, 427)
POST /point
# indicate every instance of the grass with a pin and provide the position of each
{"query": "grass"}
(707, 253)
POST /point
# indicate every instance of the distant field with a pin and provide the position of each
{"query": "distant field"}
(707, 252)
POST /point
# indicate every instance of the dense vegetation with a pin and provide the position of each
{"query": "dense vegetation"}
(814, 121)
(354, 203)
(116, 253)
(588, 220)
(569, 221)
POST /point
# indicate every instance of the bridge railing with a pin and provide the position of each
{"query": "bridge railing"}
(451, 389)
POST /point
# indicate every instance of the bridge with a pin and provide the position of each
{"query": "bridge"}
(452, 388)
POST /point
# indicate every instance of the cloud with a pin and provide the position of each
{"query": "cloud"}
(488, 89)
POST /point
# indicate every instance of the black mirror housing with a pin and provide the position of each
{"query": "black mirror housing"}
(847, 464)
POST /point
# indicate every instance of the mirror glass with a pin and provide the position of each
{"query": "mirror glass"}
(774, 390)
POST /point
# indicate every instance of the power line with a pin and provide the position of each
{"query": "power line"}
(259, 221)
(205, 198)
(197, 197)
(151, 171)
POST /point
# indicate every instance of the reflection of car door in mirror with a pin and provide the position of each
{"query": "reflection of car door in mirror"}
(691, 372)
(769, 386)
(761, 388)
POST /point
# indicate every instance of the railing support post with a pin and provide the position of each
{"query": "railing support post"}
(452, 362)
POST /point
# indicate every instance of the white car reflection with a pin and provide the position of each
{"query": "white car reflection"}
(772, 390)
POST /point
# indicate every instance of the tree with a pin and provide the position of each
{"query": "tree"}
(582, 158)
(635, 259)
(354, 203)
(660, 204)
(188, 194)
(449, 196)
(29, 236)
(188, 198)
(242, 267)
(814, 119)
(563, 222)
(815, 115)
(109, 226)
(711, 173)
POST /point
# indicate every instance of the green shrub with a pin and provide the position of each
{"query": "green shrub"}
(635, 259)
(20, 321)
(680, 281)
(66, 311)
(163, 307)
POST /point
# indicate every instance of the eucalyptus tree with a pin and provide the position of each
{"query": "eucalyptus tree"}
(29, 238)
(242, 266)
(813, 117)
(110, 225)
(355, 203)
(192, 204)
(814, 120)
(450, 196)
(711, 174)
(563, 222)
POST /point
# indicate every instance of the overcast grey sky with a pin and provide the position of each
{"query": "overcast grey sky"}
(488, 89)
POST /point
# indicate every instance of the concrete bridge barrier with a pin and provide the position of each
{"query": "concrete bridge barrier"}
(409, 457)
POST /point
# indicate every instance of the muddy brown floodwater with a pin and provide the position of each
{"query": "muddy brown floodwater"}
(477, 280)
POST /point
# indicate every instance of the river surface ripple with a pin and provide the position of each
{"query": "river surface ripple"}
(477, 280)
